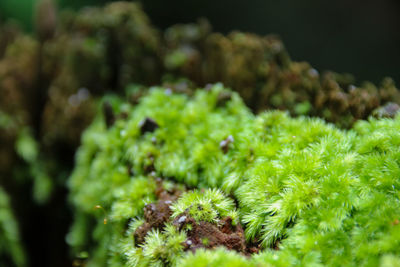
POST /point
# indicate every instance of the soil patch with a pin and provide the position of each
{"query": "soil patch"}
(200, 234)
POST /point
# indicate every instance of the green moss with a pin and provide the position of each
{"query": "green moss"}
(11, 249)
(160, 248)
(208, 206)
(324, 196)
(219, 257)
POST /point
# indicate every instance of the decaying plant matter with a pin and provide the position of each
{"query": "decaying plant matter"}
(260, 69)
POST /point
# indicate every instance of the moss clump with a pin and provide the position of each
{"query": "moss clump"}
(307, 192)
(208, 206)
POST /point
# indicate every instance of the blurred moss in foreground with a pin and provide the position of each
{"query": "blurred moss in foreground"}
(11, 249)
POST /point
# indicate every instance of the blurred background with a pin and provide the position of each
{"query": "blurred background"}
(361, 37)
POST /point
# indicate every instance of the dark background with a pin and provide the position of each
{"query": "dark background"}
(361, 37)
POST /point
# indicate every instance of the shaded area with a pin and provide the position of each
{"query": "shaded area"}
(360, 37)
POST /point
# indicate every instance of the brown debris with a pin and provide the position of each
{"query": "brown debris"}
(253, 247)
(207, 235)
(199, 234)
(148, 125)
(157, 214)
(387, 111)
(224, 144)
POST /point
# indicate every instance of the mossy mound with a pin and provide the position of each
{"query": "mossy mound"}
(304, 191)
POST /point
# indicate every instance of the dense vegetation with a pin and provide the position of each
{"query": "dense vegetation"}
(306, 193)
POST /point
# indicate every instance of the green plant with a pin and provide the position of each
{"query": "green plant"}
(208, 206)
(11, 249)
(309, 193)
